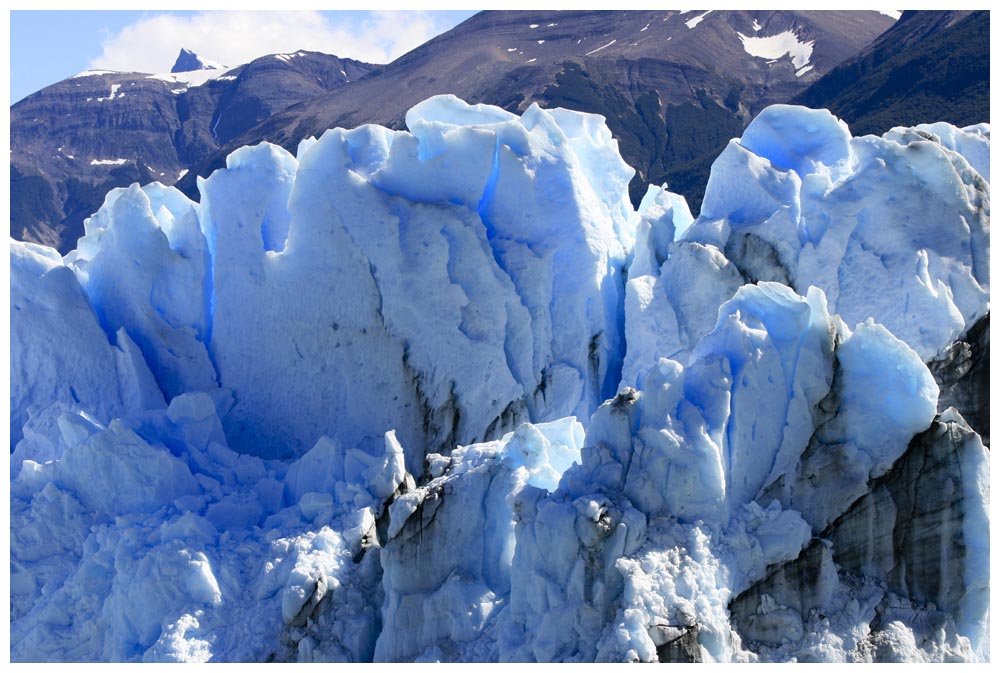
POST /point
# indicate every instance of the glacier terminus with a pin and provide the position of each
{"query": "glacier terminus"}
(443, 394)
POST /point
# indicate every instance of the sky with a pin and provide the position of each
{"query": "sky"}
(49, 45)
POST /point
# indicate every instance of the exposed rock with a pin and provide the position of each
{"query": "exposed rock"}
(77, 139)
(930, 65)
(188, 61)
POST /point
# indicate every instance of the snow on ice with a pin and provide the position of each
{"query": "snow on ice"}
(441, 394)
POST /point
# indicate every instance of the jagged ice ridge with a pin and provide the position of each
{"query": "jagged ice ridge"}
(443, 395)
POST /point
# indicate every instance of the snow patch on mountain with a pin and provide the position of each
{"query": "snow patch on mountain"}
(692, 23)
(191, 78)
(777, 46)
(594, 51)
(94, 73)
(287, 58)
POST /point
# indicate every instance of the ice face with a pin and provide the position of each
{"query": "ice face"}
(60, 354)
(797, 200)
(404, 260)
(154, 234)
(442, 395)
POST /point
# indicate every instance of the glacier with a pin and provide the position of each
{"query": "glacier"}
(443, 395)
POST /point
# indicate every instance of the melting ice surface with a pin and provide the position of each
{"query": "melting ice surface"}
(443, 395)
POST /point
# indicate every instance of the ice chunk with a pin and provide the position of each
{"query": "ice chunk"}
(77, 428)
(115, 472)
(59, 353)
(800, 140)
(175, 645)
(545, 459)
(143, 264)
(972, 142)
(797, 200)
(883, 405)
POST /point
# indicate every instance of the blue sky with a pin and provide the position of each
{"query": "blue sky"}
(49, 45)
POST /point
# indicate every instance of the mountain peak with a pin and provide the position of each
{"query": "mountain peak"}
(187, 61)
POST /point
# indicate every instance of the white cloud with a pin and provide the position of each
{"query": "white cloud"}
(151, 44)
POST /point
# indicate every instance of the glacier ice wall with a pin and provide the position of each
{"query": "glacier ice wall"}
(478, 241)
(442, 395)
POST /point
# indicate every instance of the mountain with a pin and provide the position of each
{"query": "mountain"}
(73, 141)
(930, 66)
(673, 85)
(444, 395)
(187, 61)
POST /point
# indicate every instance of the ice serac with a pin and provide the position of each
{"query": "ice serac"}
(875, 411)
(480, 241)
(797, 200)
(61, 359)
(962, 372)
(142, 263)
(906, 563)
(931, 542)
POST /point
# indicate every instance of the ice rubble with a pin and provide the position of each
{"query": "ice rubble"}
(247, 429)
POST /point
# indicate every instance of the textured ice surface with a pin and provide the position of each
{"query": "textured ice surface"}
(797, 200)
(458, 529)
(440, 394)
(683, 466)
(177, 549)
(480, 241)
(59, 353)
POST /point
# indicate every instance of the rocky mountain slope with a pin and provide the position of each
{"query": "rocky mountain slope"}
(73, 141)
(930, 66)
